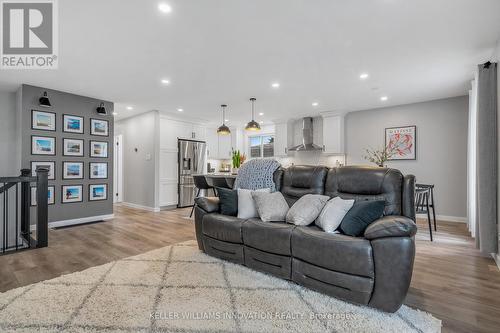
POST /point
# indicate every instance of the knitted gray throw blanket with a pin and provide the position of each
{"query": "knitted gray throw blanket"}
(257, 174)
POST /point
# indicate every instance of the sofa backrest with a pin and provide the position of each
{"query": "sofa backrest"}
(299, 180)
(367, 183)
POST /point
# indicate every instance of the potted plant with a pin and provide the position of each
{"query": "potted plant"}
(237, 160)
(380, 156)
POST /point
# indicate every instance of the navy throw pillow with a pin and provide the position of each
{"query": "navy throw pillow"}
(228, 201)
(360, 216)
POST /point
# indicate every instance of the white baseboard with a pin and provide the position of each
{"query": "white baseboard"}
(446, 218)
(133, 205)
(65, 223)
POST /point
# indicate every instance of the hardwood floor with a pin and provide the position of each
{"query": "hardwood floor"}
(451, 279)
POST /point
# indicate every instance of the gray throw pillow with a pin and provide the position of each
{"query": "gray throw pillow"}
(306, 209)
(272, 207)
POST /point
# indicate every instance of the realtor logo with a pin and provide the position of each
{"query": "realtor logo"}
(29, 34)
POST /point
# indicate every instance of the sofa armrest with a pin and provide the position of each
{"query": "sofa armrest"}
(391, 226)
(208, 204)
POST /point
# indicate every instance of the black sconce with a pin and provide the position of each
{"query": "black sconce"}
(44, 101)
(100, 109)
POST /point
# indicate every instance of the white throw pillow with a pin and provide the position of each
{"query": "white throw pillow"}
(332, 214)
(305, 210)
(246, 204)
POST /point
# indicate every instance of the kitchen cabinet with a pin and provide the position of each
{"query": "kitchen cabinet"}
(333, 134)
(282, 138)
(225, 147)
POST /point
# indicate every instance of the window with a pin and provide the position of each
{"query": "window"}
(261, 146)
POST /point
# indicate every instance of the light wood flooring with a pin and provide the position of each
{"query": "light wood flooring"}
(451, 279)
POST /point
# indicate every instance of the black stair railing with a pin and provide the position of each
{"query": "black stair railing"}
(15, 196)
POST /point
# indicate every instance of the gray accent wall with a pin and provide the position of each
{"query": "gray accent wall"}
(9, 146)
(65, 103)
(441, 146)
(139, 159)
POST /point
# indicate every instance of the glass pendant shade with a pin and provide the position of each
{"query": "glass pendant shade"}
(223, 129)
(252, 125)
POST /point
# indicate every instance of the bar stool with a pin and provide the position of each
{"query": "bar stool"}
(220, 182)
(201, 184)
(424, 201)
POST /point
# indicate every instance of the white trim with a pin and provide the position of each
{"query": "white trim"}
(64, 223)
(496, 257)
(445, 218)
(133, 205)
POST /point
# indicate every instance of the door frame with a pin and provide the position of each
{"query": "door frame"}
(118, 168)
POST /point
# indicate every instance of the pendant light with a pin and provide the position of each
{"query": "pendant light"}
(223, 129)
(253, 125)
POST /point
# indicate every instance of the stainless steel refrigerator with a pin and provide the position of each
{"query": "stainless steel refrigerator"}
(192, 158)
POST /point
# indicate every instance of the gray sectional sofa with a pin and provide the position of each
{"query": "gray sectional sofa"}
(373, 270)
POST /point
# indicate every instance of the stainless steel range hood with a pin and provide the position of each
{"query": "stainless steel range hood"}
(307, 137)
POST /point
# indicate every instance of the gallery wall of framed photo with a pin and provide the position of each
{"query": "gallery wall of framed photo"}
(75, 143)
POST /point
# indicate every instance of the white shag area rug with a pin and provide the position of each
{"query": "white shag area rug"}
(179, 289)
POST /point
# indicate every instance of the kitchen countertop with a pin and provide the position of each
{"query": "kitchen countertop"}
(217, 175)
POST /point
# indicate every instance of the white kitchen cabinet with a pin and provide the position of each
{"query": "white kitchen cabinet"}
(282, 135)
(333, 134)
(212, 140)
(225, 147)
(199, 132)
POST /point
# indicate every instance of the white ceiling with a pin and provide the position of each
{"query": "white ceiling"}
(226, 51)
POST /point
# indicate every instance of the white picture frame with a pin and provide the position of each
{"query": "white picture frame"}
(72, 170)
(51, 165)
(98, 192)
(71, 193)
(99, 149)
(43, 145)
(99, 127)
(43, 120)
(73, 124)
(402, 141)
(73, 147)
(51, 190)
(98, 170)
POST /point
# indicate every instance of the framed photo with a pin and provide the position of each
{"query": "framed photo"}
(71, 193)
(43, 145)
(72, 147)
(51, 193)
(99, 127)
(72, 170)
(42, 120)
(98, 149)
(98, 192)
(72, 124)
(402, 141)
(98, 170)
(49, 165)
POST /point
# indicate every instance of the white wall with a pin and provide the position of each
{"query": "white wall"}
(9, 139)
(139, 167)
(441, 146)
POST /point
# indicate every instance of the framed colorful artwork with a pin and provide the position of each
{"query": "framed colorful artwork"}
(51, 165)
(43, 145)
(98, 192)
(72, 170)
(71, 193)
(72, 124)
(43, 121)
(98, 170)
(72, 147)
(402, 142)
(50, 196)
(99, 127)
(98, 149)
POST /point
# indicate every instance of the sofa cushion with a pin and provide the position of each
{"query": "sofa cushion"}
(208, 204)
(299, 180)
(367, 183)
(360, 216)
(332, 214)
(223, 227)
(272, 207)
(336, 252)
(246, 204)
(305, 210)
(228, 201)
(267, 236)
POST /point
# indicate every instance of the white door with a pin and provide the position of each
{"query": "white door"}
(118, 169)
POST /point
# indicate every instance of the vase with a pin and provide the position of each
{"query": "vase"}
(234, 170)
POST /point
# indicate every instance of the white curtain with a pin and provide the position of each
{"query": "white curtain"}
(471, 159)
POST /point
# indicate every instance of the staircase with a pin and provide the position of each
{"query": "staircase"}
(16, 211)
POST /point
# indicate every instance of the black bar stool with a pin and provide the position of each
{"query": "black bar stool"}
(424, 201)
(220, 182)
(201, 184)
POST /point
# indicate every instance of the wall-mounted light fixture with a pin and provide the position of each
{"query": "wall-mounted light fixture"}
(44, 100)
(101, 109)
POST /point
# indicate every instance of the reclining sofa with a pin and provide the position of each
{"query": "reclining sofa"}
(373, 270)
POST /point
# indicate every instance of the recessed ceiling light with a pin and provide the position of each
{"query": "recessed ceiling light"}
(363, 76)
(165, 81)
(261, 113)
(180, 110)
(115, 113)
(315, 104)
(129, 108)
(275, 85)
(164, 8)
(384, 98)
